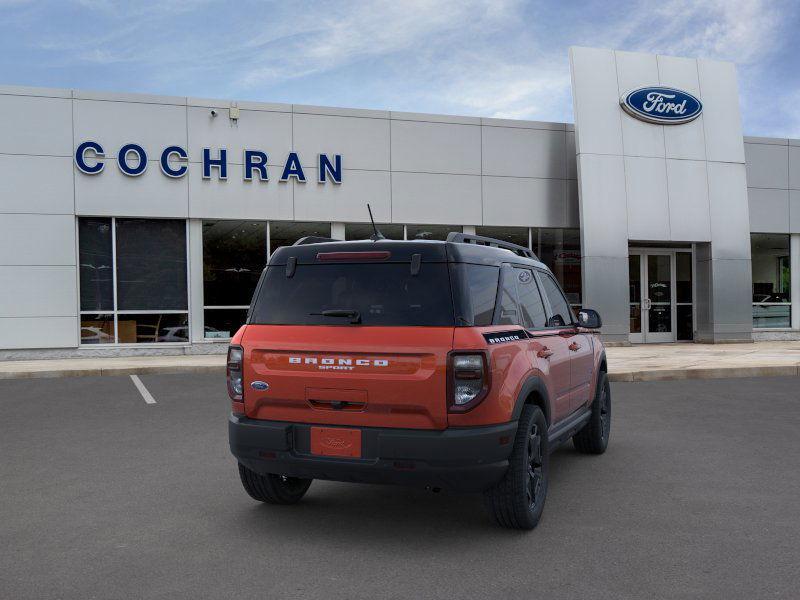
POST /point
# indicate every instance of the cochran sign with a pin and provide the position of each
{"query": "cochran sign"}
(663, 105)
(173, 160)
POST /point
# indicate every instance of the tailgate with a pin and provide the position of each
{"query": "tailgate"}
(348, 375)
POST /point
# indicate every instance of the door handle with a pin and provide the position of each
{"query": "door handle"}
(574, 346)
(545, 352)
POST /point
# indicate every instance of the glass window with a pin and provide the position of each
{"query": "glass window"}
(151, 264)
(683, 294)
(474, 292)
(530, 301)
(515, 235)
(363, 231)
(561, 313)
(507, 312)
(431, 232)
(96, 265)
(560, 250)
(282, 233)
(133, 291)
(97, 329)
(771, 280)
(222, 323)
(382, 294)
(234, 254)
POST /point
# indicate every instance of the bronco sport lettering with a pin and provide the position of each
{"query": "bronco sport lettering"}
(484, 371)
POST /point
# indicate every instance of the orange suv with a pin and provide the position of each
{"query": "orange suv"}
(449, 365)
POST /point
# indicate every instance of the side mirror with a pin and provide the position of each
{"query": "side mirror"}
(589, 319)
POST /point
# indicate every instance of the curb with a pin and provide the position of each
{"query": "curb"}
(704, 373)
(614, 376)
(113, 371)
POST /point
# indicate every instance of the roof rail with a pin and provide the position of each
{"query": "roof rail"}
(313, 239)
(480, 240)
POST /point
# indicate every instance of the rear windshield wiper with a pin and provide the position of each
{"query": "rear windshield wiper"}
(353, 315)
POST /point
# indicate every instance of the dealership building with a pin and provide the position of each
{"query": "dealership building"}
(136, 224)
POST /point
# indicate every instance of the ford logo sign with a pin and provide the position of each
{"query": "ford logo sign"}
(260, 385)
(662, 105)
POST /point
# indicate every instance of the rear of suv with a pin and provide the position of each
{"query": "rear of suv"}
(451, 365)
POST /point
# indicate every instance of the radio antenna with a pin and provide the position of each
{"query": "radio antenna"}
(377, 235)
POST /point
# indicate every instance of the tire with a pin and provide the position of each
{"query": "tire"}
(517, 501)
(273, 489)
(593, 438)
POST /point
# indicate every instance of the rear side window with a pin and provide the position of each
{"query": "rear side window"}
(562, 315)
(530, 301)
(474, 293)
(382, 293)
(507, 312)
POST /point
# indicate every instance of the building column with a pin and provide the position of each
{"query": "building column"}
(196, 316)
(337, 231)
(794, 266)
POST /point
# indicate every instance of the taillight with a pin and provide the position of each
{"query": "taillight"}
(467, 380)
(234, 372)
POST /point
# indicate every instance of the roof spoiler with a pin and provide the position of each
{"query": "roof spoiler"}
(479, 240)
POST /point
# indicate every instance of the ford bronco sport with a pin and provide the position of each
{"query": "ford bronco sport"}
(449, 365)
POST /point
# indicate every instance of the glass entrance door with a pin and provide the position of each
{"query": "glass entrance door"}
(660, 297)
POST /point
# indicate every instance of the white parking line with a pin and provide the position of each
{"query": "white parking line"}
(148, 397)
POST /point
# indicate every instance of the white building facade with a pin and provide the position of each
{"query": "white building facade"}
(134, 224)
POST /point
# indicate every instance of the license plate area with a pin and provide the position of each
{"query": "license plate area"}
(336, 441)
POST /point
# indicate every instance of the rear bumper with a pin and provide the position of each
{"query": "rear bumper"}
(462, 459)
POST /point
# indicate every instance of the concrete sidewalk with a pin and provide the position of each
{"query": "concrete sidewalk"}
(633, 363)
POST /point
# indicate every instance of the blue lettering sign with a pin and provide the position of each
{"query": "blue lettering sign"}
(662, 105)
(326, 168)
(122, 160)
(221, 163)
(80, 158)
(255, 160)
(293, 168)
(166, 168)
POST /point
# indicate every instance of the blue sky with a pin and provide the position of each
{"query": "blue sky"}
(503, 58)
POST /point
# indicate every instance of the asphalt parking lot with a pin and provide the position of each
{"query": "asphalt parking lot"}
(107, 496)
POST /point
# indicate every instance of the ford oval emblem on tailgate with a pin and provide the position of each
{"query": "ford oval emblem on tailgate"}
(260, 385)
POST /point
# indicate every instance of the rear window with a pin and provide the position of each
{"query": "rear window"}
(383, 294)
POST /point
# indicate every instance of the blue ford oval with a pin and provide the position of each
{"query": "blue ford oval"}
(663, 105)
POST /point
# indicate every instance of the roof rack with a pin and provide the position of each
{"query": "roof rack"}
(313, 239)
(480, 240)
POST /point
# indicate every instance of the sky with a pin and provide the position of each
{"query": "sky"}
(496, 58)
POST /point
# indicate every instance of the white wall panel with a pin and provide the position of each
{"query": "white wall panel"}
(363, 143)
(730, 215)
(436, 147)
(346, 202)
(37, 239)
(767, 166)
(33, 125)
(38, 332)
(794, 167)
(603, 207)
(687, 185)
(519, 152)
(270, 132)
(151, 194)
(525, 202)
(596, 101)
(38, 291)
(635, 70)
(648, 205)
(769, 210)
(434, 198)
(36, 184)
(113, 124)
(686, 141)
(722, 120)
(237, 199)
(794, 211)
